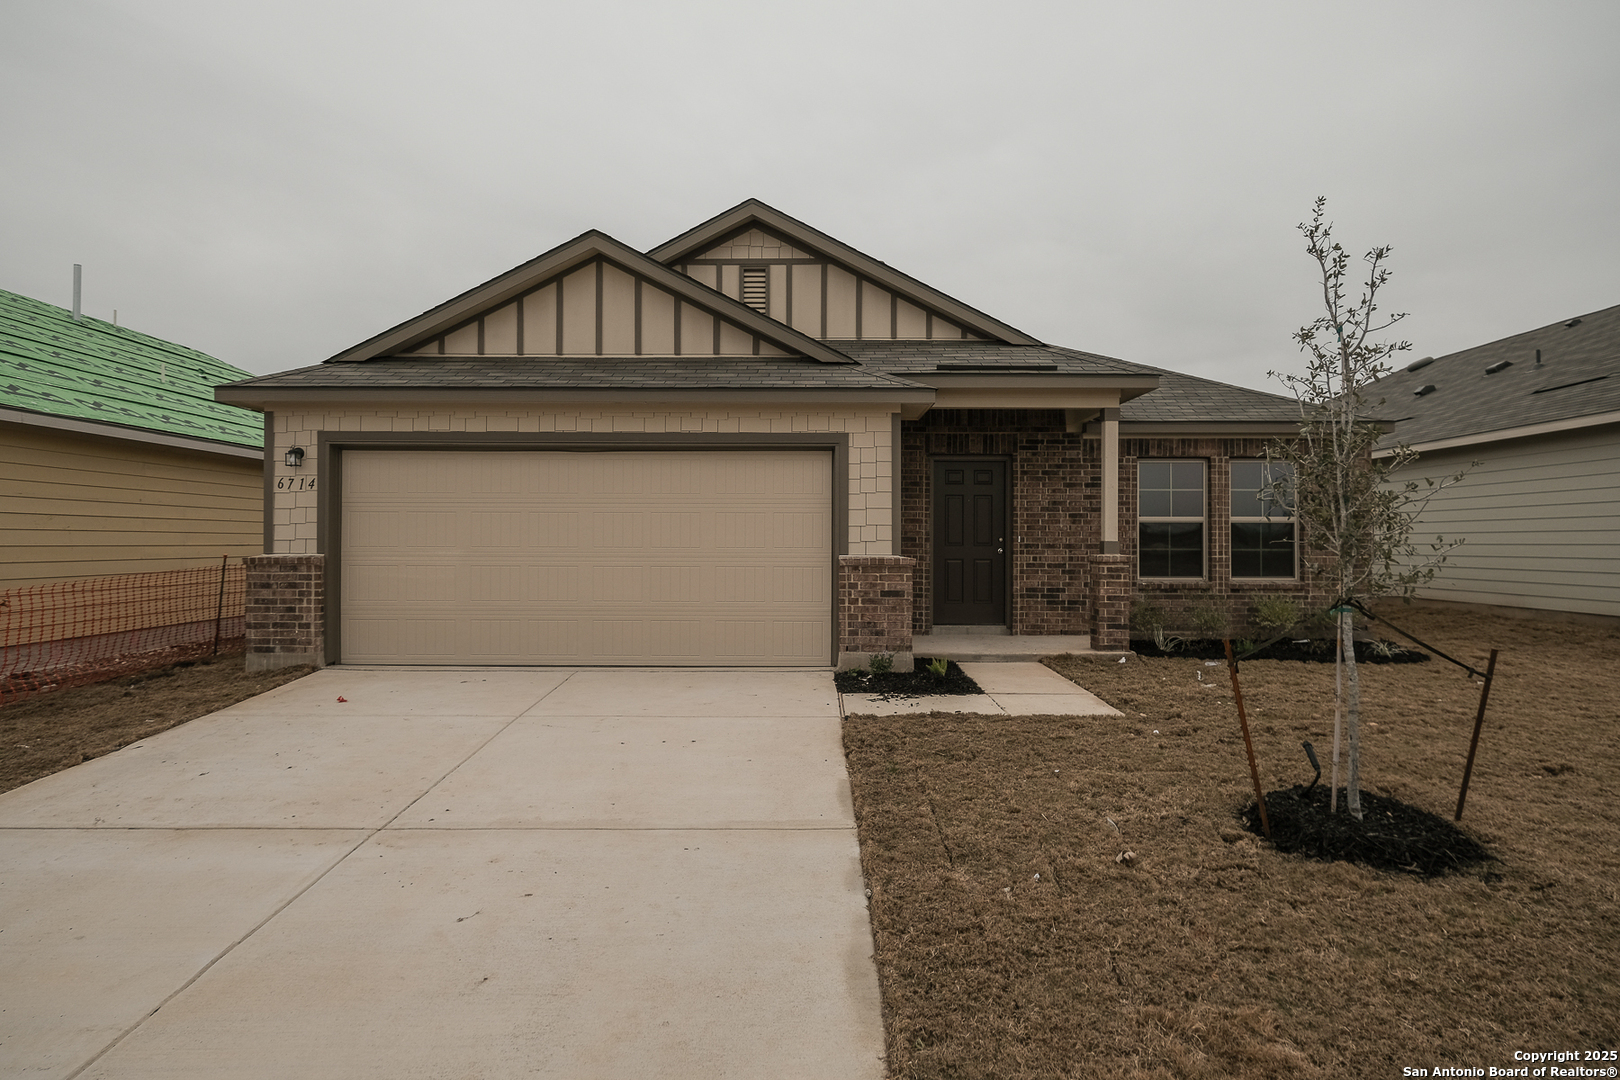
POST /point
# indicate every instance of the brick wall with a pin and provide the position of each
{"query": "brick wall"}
(1112, 586)
(1055, 482)
(286, 600)
(874, 609)
(1233, 598)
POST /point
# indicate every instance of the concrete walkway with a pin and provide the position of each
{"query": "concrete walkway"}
(1010, 689)
(450, 873)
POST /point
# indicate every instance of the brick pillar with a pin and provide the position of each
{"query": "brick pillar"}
(286, 611)
(1112, 588)
(874, 609)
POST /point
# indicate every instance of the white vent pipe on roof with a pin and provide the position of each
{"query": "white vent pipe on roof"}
(78, 289)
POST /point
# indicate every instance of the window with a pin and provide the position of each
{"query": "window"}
(1262, 528)
(1170, 519)
(756, 288)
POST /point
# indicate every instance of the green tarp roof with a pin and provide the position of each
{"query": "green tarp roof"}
(93, 370)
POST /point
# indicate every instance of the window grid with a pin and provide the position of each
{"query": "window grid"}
(1263, 531)
(1172, 500)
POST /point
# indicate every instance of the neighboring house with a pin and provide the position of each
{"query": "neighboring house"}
(1539, 515)
(751, 444)
(114, 456)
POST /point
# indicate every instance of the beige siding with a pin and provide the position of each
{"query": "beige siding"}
(579, 312)
(807, 300)
(755, 245)
(618, 312)
(540, 322)
(1540, 518)
(76, 506)
(870, 507)
(657, 321)
(841, 286)
(500, 331)
(526, 557)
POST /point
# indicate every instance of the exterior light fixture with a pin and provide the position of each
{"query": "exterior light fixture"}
(295, 457)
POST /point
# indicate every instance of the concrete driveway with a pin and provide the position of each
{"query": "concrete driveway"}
(452, 873)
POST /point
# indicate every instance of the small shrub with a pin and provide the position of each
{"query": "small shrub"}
(938, 666)
(1275, 614)
(881, 663)
(1165, 642)
(1208, 621)
(1146, 618)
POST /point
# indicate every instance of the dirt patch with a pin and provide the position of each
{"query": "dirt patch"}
(1309, 650)
(48, 732)
(915, 683)
(1013, 940)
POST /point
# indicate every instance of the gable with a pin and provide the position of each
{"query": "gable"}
(819, 286)
(597, 308)
(815, 294)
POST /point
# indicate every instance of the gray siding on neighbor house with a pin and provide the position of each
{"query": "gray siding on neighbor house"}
(1540, 517)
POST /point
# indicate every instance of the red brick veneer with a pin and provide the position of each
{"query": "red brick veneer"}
(874, 609)
(286, 620)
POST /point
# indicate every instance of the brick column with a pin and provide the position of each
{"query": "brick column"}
(1112, 587)
(286, 611)
(874, 610)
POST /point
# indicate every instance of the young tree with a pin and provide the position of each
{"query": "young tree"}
(1349, 511)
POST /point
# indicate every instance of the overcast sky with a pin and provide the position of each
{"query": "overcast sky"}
(272, 182)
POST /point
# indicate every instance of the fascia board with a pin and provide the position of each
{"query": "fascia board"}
(715, 228)
(786, 398)
(128, 434)
(1030, 380)
(1551, 427)
(558, 260)
(1220, 429)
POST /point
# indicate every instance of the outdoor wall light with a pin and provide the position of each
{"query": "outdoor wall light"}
(295, 457)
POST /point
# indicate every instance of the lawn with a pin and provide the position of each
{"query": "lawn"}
(1012, 941)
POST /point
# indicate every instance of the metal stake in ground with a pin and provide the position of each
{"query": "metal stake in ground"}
(219, 611)
(1479, 722)
(1248, 744)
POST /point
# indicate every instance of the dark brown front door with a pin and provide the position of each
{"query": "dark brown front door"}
(970, 543)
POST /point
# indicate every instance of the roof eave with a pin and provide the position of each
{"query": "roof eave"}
(269, 398)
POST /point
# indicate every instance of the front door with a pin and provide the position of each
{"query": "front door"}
(970, 542)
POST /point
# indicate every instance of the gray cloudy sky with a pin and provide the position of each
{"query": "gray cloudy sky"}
(272, 182)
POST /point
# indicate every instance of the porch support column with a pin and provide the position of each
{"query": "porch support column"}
(1110, 482)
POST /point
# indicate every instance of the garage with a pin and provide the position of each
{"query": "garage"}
(668, 557)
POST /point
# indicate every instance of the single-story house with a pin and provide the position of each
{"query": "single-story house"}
(752, 444)
(1535, 419)
(115, 457)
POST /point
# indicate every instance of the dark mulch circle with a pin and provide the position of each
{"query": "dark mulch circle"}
(1391, 835)
(1311, 651)
(907, 683)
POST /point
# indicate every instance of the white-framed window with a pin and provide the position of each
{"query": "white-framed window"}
(1263, 540)
(1170, 519)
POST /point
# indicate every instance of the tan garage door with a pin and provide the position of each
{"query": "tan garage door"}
(547, 557)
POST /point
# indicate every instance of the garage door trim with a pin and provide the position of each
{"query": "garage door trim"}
(329, 485)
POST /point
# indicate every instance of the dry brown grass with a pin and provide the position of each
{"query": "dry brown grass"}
(1211, 955)
(49, 732)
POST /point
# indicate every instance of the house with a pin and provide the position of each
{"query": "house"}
(753, 444)
(114, 456)
(1538, 415)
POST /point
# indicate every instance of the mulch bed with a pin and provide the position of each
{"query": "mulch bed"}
(1319, 651)
(914, 683)
(1391, 835)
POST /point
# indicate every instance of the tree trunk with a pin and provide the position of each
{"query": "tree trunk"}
(1352, 785)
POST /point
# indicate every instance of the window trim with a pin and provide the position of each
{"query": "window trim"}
(1202, 520)
(1234, 519)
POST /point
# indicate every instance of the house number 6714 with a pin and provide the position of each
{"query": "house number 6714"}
(295, 483)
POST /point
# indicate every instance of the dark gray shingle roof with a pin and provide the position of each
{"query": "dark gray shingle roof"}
(1189, 399)
(589, 373)
(900, 357)
(1579, 376)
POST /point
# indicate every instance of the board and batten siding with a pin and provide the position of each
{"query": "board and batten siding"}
(76, 506)
(1540, 521)
(817, 296)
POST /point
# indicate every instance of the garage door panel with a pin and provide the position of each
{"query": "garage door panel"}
(554, 557)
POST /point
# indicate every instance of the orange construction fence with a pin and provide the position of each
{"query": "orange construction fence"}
(70, 633)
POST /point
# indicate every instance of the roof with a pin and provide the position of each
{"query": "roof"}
(1183, 398)
(1499, 390)
(577, 373)
(90, 370)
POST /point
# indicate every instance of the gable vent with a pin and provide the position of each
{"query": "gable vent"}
(756, 288)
